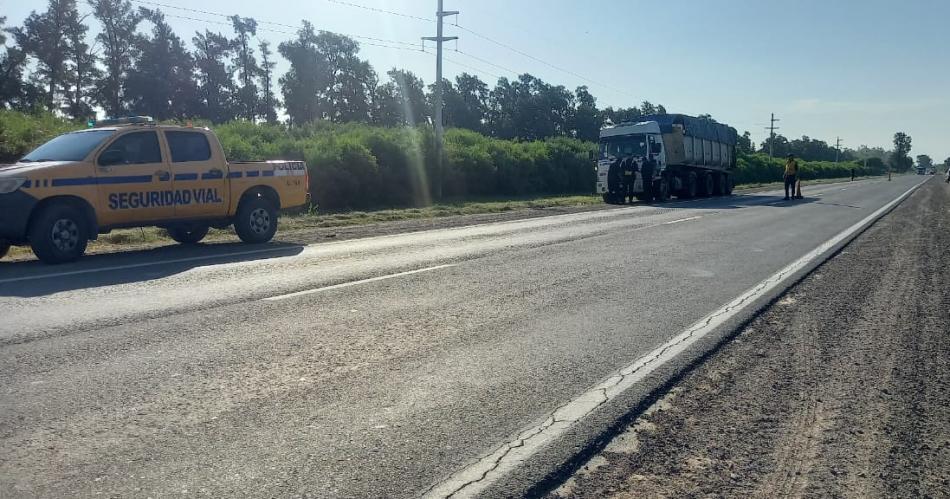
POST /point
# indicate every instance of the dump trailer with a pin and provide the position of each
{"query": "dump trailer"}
(662, 155)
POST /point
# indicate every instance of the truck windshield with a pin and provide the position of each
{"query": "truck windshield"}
(618, 147)
(68, 147)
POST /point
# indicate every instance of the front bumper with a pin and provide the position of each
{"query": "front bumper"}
(15, 209)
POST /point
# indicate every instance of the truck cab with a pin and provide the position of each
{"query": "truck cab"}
(133, 173)
(627, 153)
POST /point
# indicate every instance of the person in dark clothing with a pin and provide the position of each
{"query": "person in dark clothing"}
(791, 176)
(852, 174)
(629, 171)
(648, 168)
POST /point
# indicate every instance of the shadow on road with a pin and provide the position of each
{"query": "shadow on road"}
(34, 279)
(732, 202)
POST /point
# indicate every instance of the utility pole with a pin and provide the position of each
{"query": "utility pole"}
(772, 128)
(438, 39)
(837, 149)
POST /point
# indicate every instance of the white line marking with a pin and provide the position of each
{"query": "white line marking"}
(144, 264)
(356, 283)
(478, 476)
(682, 220)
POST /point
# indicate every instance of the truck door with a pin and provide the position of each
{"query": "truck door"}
(200, 177)
(131, 176)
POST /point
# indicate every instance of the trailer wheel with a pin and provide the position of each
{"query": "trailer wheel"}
(689, 190)
(661, 189)
(719, 184)
(707, 185)
(728, 184)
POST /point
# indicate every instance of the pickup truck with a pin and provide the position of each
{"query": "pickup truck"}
(133, 173)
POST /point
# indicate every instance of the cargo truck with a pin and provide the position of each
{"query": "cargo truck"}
(659, 156)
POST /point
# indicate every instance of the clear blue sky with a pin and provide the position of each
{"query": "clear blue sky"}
(858, 69)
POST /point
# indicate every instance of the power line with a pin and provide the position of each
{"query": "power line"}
(270, 23)
(381, 11)
(772, 128)
(472, 68)
(496, 42)
(486, 61)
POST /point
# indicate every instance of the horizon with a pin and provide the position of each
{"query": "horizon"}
(846, 80)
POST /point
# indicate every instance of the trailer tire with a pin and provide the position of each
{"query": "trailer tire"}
(661, 190)
(707, 185)
(728, 184)
(719, 181)
(689, 187)
(184, 234)
(59, 233)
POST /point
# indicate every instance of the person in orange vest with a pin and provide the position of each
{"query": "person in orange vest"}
(791, 176)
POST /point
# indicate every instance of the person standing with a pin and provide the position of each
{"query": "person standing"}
(791, 176)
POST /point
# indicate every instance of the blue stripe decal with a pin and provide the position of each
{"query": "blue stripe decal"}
(212, 176)
(269, 173)
(131, 179)
(234, 175)
(186, 176)
(27, 184)
(253, 174)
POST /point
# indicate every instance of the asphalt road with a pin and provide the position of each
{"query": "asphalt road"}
(160, 373)
(839, 389)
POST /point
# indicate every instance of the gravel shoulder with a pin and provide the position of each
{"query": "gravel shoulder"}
(840, 388)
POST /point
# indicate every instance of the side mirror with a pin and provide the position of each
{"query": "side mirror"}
(110, 157)
(656, 148)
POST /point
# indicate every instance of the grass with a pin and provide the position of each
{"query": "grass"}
(152, 236)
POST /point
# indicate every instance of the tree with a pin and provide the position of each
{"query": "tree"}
(348, 94)
(587, 119)
(245, 98)
(43, 38)
(529, 109)
(924, 161)
(15, 91)
(780, 145)
(118, 40)
(302, 83)
(745, 143)
(465, 104)
(160, 82)
(82, 71)
(647, 108)
(401, 101)
(268, 102)
(900, 160)
(621, 115)
(215, 86)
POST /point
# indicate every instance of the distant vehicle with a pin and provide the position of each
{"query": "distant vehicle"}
(133, 173)
(921, 170)
(689, 157)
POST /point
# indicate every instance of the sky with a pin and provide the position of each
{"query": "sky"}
(860, 70)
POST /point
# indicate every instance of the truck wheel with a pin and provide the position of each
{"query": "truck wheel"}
(719, 184)
(59, 234)
(707, 185)
(661, 188)
(727, 185)
(256, 220)
(4, 248)
(188, 234)
(689, 190)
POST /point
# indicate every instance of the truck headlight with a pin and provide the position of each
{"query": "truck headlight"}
(8, 185)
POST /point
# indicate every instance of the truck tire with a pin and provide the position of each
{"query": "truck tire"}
(256, 220)
(690, 186)
(661, 190)
(707, 185)
(4, 248)
(59, 234)
(719, 184)
(728, 185)
(185, 234)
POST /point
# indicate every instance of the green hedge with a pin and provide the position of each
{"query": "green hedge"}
(757, 169)
(20, 133)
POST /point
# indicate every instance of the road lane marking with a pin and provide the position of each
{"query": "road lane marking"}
(478, 476)
(356, 283)
(682, 220)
